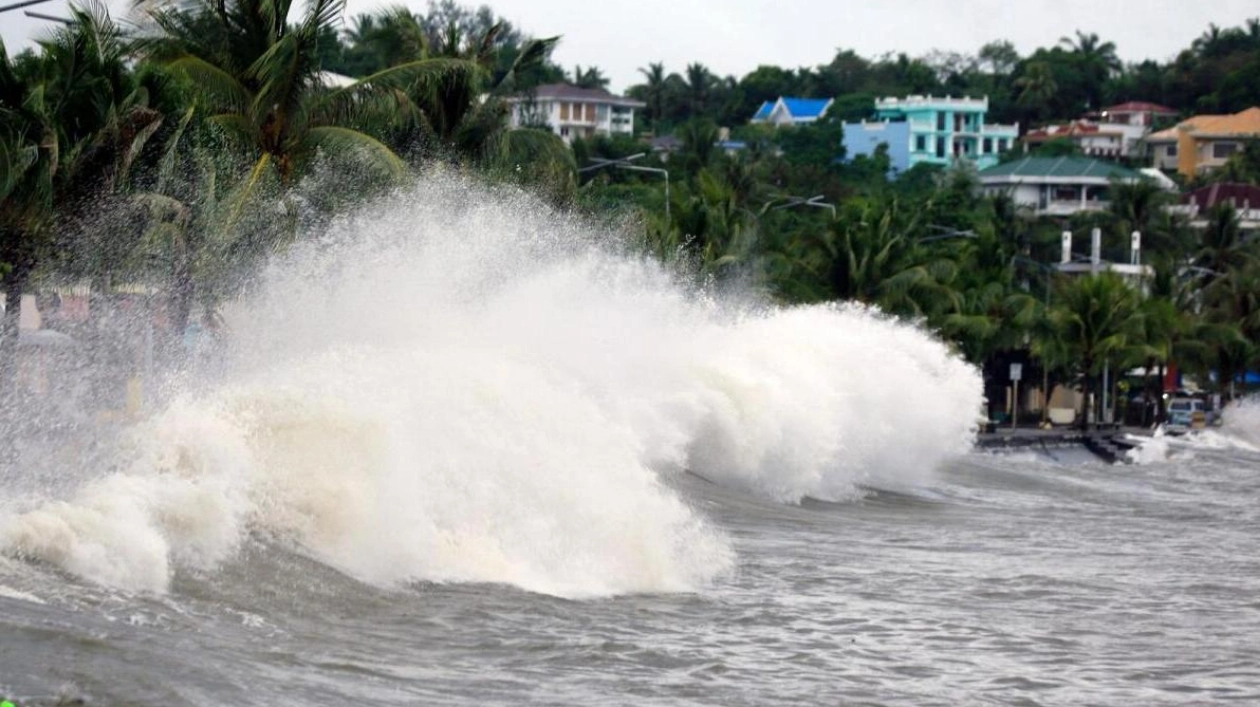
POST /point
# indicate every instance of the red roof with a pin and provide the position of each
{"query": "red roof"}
(1237, 195)
(1072, 129)
(1140, 107)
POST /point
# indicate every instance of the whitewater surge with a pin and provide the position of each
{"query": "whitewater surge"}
(457, 385)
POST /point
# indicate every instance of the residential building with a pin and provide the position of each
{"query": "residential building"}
(1115, 131)
(1092, 139)
(931, 130)
(1056, 186)
(1137, 113)
(1244, 199)
(1202, 143)
(791, 111)
(571, 112)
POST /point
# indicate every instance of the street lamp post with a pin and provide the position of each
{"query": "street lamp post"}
(815, 201)
(36, 15)
(946, 233)
(624, 163)
(20, 5)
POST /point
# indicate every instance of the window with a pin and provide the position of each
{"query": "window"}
(988, 146)
(920, 143)
(1222, 150)
(1002, 145)
(1066, 194)
(590, 112)
(1170, 151)
(564, 132)
(940, 147)
(940, 122)
(564, 111)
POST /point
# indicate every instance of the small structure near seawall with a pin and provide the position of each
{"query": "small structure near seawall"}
(1107, 443)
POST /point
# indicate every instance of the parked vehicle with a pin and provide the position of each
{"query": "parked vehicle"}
(1187, 413)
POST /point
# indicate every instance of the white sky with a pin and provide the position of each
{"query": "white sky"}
(734, 36)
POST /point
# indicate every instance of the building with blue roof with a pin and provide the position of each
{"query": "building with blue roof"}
(792, 111)
(931, 130)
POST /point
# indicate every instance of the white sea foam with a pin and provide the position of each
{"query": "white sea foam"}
(1149, 450)
(459, 386)
(10, 593)
(1241, 425)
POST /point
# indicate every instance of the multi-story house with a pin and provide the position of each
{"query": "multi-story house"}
(1244, 199)
(1115, 131)
(572, 112)
(931, 130)
(1202, 143)
(1136, 113)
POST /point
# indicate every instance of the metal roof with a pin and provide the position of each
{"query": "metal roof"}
(1060, 167)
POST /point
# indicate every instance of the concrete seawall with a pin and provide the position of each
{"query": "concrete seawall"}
(1108, 443)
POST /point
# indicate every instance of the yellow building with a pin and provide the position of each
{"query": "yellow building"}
(1204, 142)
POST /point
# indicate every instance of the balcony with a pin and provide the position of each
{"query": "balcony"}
(1000, 130)
(948, 102)
(1067, 207)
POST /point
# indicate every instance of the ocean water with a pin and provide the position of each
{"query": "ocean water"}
(460, 450)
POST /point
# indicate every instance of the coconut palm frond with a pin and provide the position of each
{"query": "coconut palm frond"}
(371, 152)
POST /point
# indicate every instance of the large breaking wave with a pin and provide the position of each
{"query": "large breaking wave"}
(459, 385)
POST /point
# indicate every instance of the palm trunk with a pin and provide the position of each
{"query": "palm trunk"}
(13, 284)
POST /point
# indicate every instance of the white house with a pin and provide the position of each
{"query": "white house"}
(1056, 186)
(573, 112)
(1115, 131)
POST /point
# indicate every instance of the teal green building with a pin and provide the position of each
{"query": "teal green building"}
(934, 130)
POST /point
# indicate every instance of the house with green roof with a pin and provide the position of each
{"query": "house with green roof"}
(1056, 186)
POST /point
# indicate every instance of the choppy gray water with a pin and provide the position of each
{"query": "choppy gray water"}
(1010, 580)
(438, 461)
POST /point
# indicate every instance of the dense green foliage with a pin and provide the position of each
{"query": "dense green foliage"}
(158, 160)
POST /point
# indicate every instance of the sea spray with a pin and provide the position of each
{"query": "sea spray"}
(1242, 423)
(458, 385)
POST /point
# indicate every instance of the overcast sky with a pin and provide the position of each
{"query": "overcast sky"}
(734, 36)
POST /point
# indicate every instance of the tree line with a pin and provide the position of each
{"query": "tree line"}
(161, 157)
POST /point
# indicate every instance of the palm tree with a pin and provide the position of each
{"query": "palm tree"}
(592, 77)
(1036, 87)
(1095, 320)
(1138, 205)
(869, 255)
(260, 77)
(377, 42)
(654, 91)
(710, 221)
(1222, 251)
(1207, 44)
(1097, 61)
(699, 88)
(28, 158)
(72, 121)
(699, 143)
